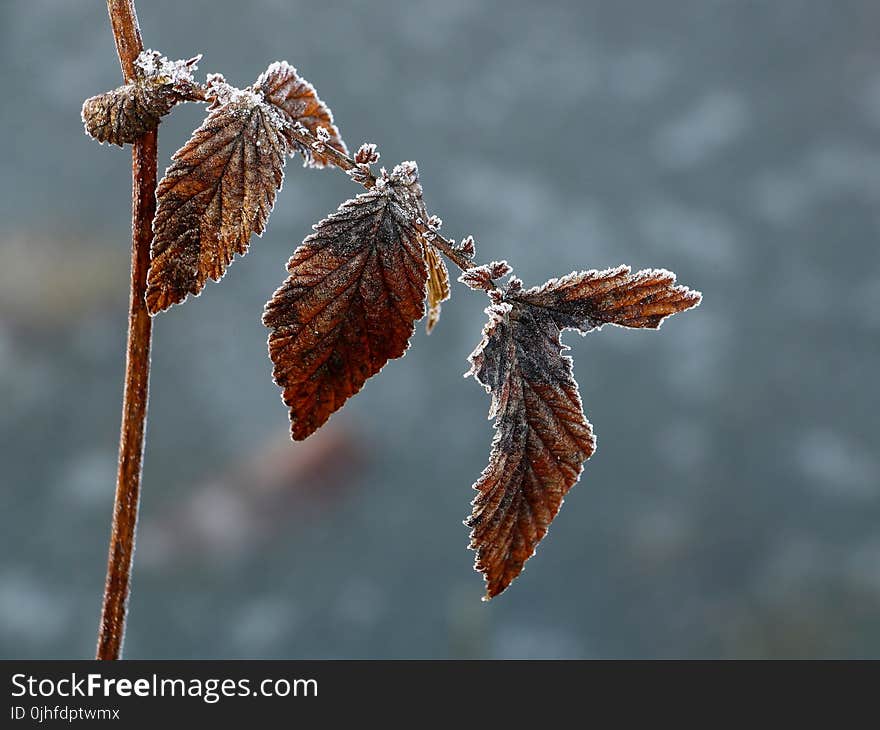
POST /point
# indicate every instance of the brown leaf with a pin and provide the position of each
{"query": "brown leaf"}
(542, 437)
(124, 114)
(219, 189)
(297, 98)
(438, 284)
(589, 299)
(356, 287)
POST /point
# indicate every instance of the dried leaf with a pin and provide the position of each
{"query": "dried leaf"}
(298, 100)
(589, 299)
(219, 189)
(438, 284)
(541, 440)
(356, 287)
(124, 114)
(542, 437)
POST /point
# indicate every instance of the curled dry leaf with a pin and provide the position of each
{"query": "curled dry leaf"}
(542, 437)
(297, 99)
(438, 284)
(219, 189)
(356, 287)
(124, 114)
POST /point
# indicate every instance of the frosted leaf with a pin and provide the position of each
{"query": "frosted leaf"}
(542, 437)
(586, 300)
(356, 287)
(125, 114)
(219, 189)
(467, 247)
(296, 98)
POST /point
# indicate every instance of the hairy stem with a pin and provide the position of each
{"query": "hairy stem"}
(123, 20)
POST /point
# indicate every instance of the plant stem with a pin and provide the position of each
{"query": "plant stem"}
(111, 631)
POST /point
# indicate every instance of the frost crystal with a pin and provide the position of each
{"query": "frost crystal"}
(406, 173)
(125, 114)
(467, 246)
(360, 174)
(151, 66)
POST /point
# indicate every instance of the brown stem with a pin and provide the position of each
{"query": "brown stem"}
(137, 363)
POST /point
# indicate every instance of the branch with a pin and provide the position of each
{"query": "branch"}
(346, 163)
(367, 179)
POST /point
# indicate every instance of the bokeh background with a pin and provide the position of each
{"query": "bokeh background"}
(733, 506)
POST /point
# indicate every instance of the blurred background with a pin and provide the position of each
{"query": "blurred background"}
(733, 506)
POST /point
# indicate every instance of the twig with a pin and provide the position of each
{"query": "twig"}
(346, 164)
(137, 364)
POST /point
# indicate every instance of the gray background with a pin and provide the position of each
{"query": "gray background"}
(733, 506)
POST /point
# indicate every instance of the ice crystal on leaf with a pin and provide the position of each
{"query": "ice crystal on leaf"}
(356, 287)
(281, 86)
(219, 190)
(123, 115)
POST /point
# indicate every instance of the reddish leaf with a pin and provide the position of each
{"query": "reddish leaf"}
(438, 285)
(219, 189)
(297, 98)
(542, 437)
(356, 287)
(541, 440)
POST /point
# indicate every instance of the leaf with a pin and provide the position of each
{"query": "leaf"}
(542, 437)
(589, 299)
(541, 440)
(356, 287)
(126, 113)
(219, 189)
(298, 100)
(438, 284)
